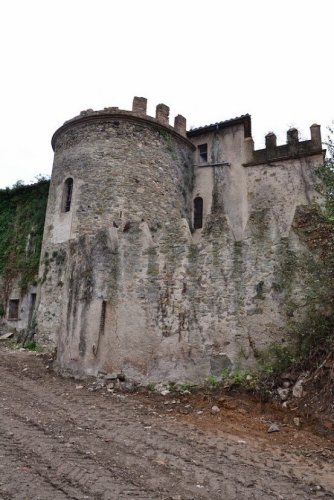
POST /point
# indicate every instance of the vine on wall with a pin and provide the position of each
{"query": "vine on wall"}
(22, 215)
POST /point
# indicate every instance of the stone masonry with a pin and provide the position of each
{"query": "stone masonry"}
(132, 279)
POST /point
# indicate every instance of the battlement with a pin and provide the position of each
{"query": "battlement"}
(139, 111)
(294, 148)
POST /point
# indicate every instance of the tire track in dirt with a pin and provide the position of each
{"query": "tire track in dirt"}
(221, 458)
(92, 445)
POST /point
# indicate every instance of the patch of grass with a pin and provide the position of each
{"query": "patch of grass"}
(241, 378)
(275, 360)
(32, 346)
(225, 374)
(212, 381)
(187, 387)
(172, 387)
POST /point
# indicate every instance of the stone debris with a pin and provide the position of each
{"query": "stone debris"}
(215, 410)
(7, 335)
(283, 393)
(162, 389)
(297, 390)
(297, 421)
(164, 392)
(273, 428)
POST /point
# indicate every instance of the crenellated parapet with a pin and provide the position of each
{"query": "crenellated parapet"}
(138, 113)
(294, 148)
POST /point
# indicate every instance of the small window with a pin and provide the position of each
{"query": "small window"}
(67, 197)
(13, 309)
(103, 316)
(31, 307)
(198, 213)
(203, 153)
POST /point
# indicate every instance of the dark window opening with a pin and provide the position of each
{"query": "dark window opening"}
(13, 309)
(68, 190)
(203, 153)
(103, 316)
(31, 307)
(198, 213)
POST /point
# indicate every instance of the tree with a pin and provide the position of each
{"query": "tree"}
(326, 174)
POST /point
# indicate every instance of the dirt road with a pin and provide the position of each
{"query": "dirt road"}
(59, 440)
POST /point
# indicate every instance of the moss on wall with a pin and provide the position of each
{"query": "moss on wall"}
(22, 214)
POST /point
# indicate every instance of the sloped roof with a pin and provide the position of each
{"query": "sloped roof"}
(243, 119)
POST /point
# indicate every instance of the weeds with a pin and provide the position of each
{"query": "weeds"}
(186, 387)
(212, 381)
(32, 346)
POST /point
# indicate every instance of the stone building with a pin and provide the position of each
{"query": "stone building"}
(172, 255)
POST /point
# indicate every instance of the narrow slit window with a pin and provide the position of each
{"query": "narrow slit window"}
(103, 316)
(31, 307)
(203, 153)
(198, 213)
(68, 190)
(13, 309)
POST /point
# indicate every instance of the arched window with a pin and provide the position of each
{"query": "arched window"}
(198, 212)
(67, 195)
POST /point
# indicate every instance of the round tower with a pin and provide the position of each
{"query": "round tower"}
(121, 185)
(125, 167)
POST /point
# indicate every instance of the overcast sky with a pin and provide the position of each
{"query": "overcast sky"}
(208, 60)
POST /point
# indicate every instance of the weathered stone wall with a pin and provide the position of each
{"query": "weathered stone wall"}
(126, 282)
(25, 307)
(130, 177)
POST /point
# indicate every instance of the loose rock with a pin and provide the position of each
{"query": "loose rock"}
(297, 421)
(283, 393)
(297, 389)
(6, 336)
(273, 428)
